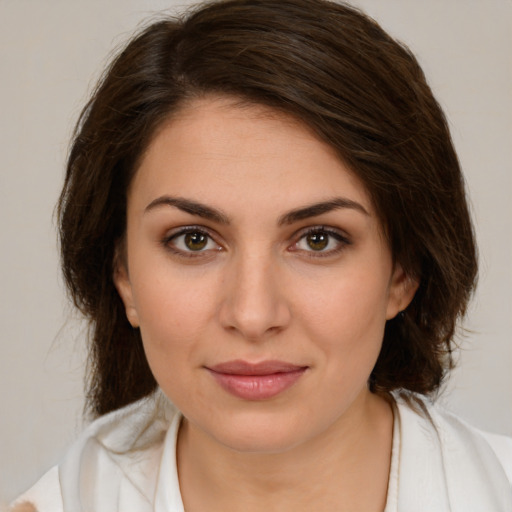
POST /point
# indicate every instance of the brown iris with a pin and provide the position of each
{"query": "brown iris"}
(196, 241)
(317, 241)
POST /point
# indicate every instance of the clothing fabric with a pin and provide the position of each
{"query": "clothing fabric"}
(126, 462)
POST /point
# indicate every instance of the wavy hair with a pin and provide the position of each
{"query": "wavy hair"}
(333, 68)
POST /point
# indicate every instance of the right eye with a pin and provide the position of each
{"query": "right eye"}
(191, 242)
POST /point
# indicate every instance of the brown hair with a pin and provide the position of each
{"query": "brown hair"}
(337, 71)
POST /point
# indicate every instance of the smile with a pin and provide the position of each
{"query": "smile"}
(256, 381)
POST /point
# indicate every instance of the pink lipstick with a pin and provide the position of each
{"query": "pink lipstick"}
(259, 381)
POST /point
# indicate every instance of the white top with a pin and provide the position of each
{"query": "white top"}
(126, 462)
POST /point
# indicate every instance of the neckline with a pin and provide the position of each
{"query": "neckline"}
(394, 469)
(168, 495)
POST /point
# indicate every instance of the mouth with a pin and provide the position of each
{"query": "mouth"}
(260, 381)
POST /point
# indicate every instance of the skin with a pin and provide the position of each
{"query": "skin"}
(261, 289)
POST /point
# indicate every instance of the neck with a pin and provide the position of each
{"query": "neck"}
(344, 468)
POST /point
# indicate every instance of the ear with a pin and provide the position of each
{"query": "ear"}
(124, 288)
(401, 292)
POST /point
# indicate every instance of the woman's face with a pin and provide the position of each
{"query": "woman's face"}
(258, 274)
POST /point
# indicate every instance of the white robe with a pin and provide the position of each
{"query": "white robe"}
(126, 462)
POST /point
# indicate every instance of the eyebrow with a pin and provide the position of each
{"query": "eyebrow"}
(188, 206)
(316, 209)
(216, 215)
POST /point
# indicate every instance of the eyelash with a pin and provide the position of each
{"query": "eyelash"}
(169, 242)
(341, 240)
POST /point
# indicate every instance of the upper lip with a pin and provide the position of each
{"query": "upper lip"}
(239, 367)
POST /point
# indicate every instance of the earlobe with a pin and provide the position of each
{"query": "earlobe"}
(124, 288)
(402, 290)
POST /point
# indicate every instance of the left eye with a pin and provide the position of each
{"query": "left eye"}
(192, 241)
(321, 241)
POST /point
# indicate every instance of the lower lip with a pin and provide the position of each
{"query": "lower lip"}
(258, 387)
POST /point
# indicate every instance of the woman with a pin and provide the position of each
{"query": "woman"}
(265, 221)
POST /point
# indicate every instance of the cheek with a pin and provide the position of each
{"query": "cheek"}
(174, 313)
(175, 320)
(357, 304)
(347, 315)
(171, 325)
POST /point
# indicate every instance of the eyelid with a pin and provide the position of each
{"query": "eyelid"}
(337, 234)
(183, 230)
(340, 236)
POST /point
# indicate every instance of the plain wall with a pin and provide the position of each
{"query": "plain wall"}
(50, 54)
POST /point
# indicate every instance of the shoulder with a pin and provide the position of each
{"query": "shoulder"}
(473, 467)
(450, 426)
(120, 450)
(502, 447)
(44, 496)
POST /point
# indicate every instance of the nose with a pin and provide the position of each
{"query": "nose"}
(254, 304)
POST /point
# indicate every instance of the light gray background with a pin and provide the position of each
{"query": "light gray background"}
(52, 51)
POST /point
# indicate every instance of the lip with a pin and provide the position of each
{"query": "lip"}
(256, 381)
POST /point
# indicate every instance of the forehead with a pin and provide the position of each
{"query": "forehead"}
(216, 148)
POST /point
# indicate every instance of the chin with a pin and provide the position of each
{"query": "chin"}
(261, 435)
